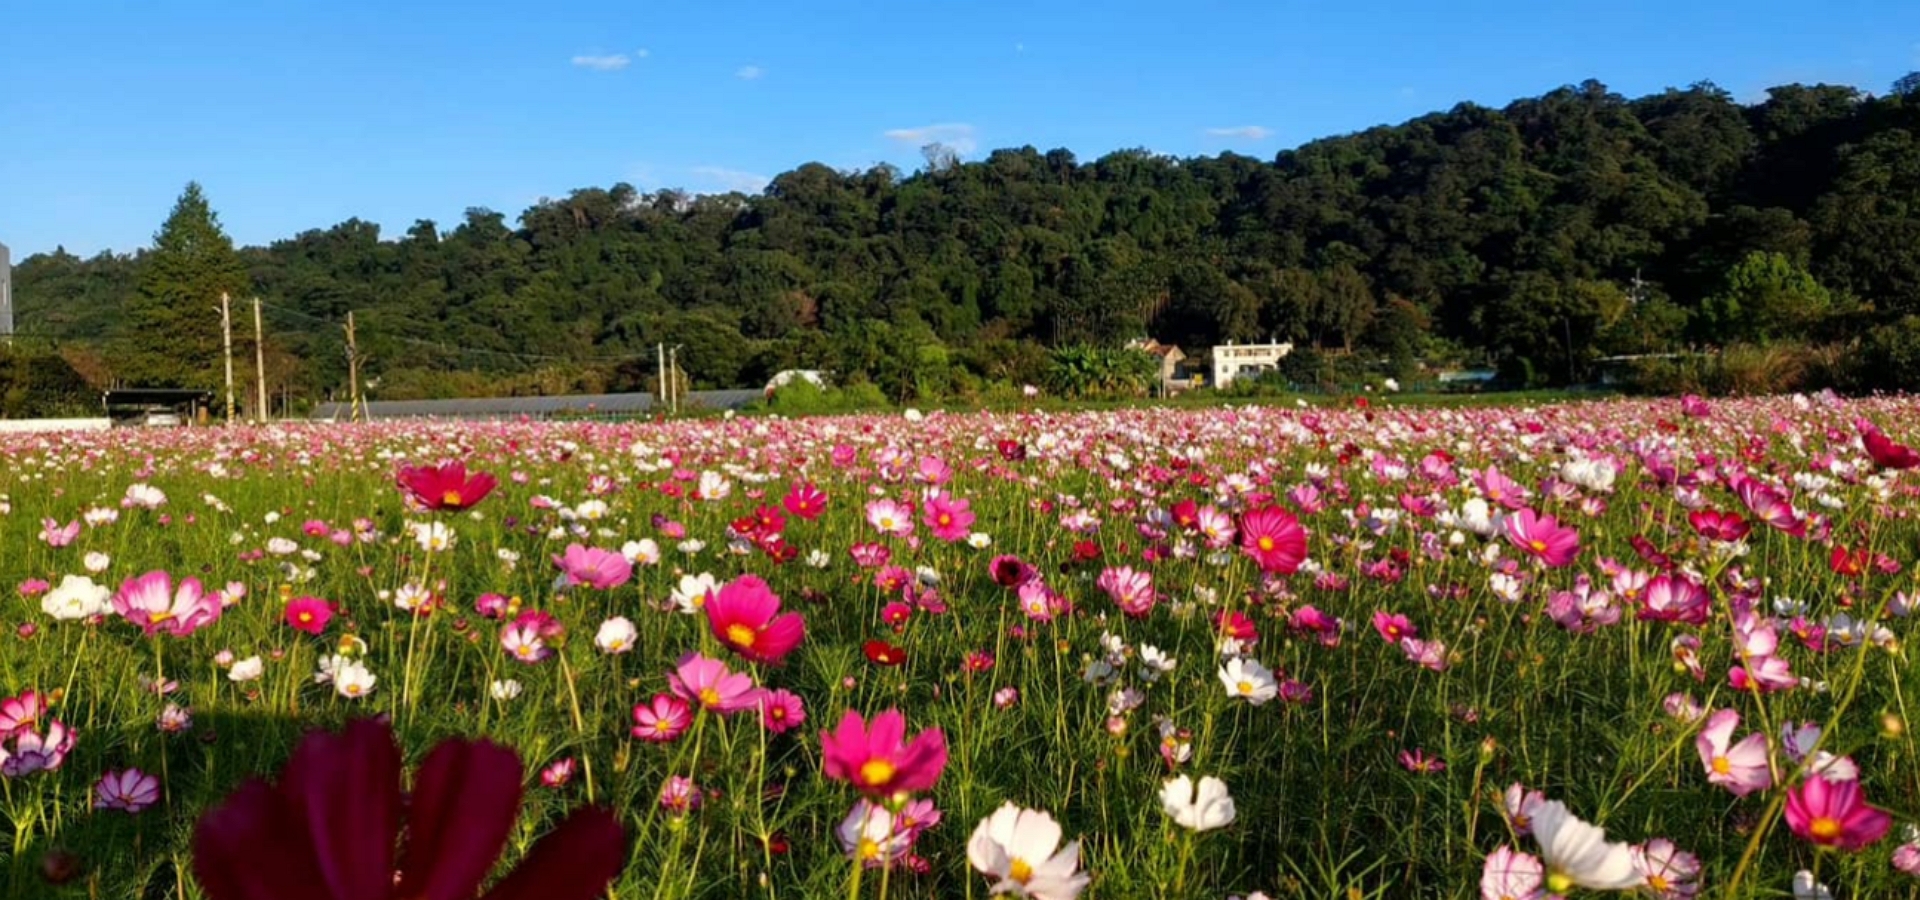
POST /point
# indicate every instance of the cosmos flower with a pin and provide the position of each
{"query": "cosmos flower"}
(745, 617)
(330, 825)
(1020, 850)
(1201, 808)
(446, 486)
(877, 759)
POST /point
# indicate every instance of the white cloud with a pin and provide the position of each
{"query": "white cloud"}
(957, 135)
(731, 179)
(642, 53)
(1244, 132)
(612, 62)
(749, 73)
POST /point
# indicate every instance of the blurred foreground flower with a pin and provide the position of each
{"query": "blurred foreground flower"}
(445, 486)
(329, 827)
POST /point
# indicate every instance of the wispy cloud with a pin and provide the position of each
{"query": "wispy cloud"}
(1243, 132)
(731, 179)
(642, 53)
(749, 73)
(957, 135)
(612, 62)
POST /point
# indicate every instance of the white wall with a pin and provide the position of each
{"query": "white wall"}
(29, 426)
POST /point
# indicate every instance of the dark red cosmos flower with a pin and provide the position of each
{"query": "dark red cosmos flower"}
(446, 486)
(1885, 452)
(1011, 450)
(328, 828)
(881, 653)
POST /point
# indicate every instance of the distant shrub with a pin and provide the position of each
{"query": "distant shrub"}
(804, 398)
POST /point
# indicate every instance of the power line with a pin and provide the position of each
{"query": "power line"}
(521, 356)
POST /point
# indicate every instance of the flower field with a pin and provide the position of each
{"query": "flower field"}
(1655, 648)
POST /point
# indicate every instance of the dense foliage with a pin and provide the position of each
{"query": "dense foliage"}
(1536, 238)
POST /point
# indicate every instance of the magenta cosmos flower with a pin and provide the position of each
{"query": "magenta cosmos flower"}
(329, 828)
(661, 719)
(1834, 814)
(948, 517)
(745, 616)
(1543, 537)
(309, 614)
(878, 760)
(596, 568)
(445, 486)
(1275, 540)
(151, 602)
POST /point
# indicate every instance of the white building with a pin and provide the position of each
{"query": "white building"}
(1231, 361)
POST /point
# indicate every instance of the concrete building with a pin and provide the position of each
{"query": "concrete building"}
(6, 292)
(1231, 361)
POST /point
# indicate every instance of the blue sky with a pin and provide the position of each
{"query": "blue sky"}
(298, 115)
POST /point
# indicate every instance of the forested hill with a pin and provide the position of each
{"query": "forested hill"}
(1535, 237)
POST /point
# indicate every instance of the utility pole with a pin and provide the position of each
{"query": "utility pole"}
(259, 362)
(673, 372)
(226, 340)
(660, 383)
(353, 372)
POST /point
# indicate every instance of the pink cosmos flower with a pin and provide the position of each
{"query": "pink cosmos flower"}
(745, 616)
(1668, 872)
(596, 568)
(1427, 654)
(781, 710)
(661, 719)
(129, 791)
(678, 795)
(559, 772)
(948, 517)
(1419, 763)
(1520, 804)
(21, 713)
(1834, 814)
(1740, 768)
(57, 536)
(1543, 537)
(151, 602)
(877, 760)
(1770, 506)
(890, 517)
(705, 682)
(1509, 874)
(446, 486)
(1675, 598)
(27, 752)
(1275, 540)
(1130, 590)
(1498, 488)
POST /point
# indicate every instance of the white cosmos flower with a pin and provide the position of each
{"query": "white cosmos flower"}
(643, 552)
(1015, 847)
(246, 670)
(616, 635)
(1248, 680)
(504, 690)
(1579, 854)
(353, 680)
(96, 562)
(77, 597)
(1805, 888)
(1204, 809)
(691, 594)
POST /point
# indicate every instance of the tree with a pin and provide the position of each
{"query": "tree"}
(1907, 85)
(1766, 297)
(173, 337)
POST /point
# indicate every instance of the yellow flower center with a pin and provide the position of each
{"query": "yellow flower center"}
(1538, 545)
(1245, 687)
(450, 498)
(1266, 543)
(709, 698)
(741, 635)
(306, 617)
(946, 519)
(1721, 765)
(1559, 883)
(1020, 870)
(868, 848)
(158, 617)
(877, 772)
(1659, 883)
(886, 523)
(1825, 828)
(662, 726)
